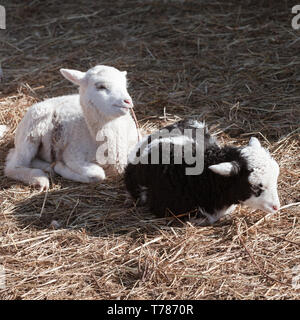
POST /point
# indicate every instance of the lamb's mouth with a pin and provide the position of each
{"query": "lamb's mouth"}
(122, 107)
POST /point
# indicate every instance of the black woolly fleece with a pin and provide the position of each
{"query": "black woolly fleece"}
(170, 189)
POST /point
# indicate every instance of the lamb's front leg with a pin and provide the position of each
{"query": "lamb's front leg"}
(85, 172)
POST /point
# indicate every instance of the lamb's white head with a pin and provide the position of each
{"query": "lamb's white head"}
(102, 87)
(262, 180)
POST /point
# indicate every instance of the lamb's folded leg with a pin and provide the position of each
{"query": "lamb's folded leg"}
(208, 220)
(40, 164)
(18, 166)
(85, 172)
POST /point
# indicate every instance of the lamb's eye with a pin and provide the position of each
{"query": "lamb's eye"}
(101, 87)
(257, 190)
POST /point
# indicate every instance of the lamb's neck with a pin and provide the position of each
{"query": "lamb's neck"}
(94, 120)
(225, 185)
(95, 123)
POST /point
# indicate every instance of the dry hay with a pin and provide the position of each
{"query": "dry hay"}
(236, 66)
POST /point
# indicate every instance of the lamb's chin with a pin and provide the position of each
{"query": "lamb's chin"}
(268, 210)
(124, 113)
(124, 110)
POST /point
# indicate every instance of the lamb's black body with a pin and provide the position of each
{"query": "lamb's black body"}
(170, 190)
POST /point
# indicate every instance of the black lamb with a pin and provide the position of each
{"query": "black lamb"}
(231, 175)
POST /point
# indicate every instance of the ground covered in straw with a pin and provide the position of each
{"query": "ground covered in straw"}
(234, 65)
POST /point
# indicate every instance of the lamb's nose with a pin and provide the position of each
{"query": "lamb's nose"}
(127, 101)
(275, 208)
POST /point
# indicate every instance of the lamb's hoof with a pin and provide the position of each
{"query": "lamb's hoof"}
(201, 222)
(42, 183)
(130, 202)
(96, 179)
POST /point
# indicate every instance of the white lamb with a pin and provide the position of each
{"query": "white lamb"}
(63, 133)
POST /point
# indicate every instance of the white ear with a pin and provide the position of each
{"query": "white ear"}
(224, 168)
(254, 142)
(73, 75)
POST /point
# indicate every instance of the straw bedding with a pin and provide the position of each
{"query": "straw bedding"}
(234, 65)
